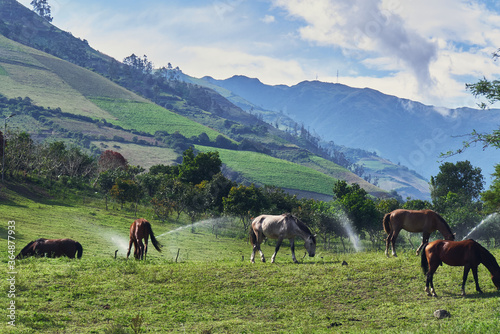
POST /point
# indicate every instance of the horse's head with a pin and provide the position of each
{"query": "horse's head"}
(310, 244)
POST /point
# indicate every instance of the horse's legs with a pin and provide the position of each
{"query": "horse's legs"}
(292, 247)
(256, 247)
(425, 239)
(252, 257)
(394, 235)
(141, 250)
(145, 247)
(429, 281)
(130, 247)
(474, 273)
(387, 243)
(276, 249)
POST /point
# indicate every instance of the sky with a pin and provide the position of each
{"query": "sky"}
(422, 50)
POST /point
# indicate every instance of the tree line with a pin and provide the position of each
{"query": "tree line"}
(197, 188)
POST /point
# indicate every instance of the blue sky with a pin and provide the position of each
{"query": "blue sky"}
(422, 50)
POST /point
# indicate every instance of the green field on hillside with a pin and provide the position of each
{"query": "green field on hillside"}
(212, 287)
(149, 117)
(272, 171)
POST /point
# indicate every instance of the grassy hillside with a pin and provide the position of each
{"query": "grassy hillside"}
(58, 84)
(212, 287)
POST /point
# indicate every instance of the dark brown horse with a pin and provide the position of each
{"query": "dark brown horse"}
(141, 229)
(467, 253)
(426, 221)
(285, 226)
(52, 248)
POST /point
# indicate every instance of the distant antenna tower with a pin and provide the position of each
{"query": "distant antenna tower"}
(337, 76)
(316, 76)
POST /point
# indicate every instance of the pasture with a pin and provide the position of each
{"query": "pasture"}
(203, 282)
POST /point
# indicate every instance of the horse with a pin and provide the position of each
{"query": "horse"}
(285, 226)
(52, 248)
(467, 253)
(426, 221)
(141, 229)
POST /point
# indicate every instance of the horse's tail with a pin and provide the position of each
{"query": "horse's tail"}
(79, 250)
(387, 223)
(253, 237)
(153, 239)
(423, 260)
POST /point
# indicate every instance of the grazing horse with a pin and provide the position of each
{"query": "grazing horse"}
(426, 221)
(285, 226)
(466, 253)
(141, 229)
(52, 248)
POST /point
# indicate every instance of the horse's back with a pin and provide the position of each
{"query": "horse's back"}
(414, 220)
(455, 253)
(274, 226)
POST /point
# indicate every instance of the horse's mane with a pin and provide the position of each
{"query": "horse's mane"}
(444, 223)
(300, 224)
(27, 247)
(487, 258)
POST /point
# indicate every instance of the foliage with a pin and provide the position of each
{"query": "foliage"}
(245, 202)
(202, 167)
(42, 8)
(110, 160)
(460, 178)
(491, 197)
(359, 207)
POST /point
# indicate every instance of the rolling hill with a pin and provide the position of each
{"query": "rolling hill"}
(81, 103)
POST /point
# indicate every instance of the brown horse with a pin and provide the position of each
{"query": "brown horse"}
(285, 226)
(141, 229)
(52, 248)
(466, 253)
(426, 221)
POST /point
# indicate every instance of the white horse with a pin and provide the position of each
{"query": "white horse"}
(285, 226)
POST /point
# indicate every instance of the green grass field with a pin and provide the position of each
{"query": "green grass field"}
(212, 287)
(273, 171)
(148, 117)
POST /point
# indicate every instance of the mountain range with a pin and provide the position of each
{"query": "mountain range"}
(405, 132)
(287, 132)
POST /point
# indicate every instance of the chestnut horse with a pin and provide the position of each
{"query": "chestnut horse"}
(285, 226)
(52, 248)
(426, 221)
(467, 253)
(141, 229)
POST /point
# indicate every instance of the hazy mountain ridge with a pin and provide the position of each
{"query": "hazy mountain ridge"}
(404, 131)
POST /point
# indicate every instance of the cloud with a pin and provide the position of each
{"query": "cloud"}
(268, 19)
(364, 29)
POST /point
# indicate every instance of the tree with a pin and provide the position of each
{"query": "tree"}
(459, 178)
(126, 190)
(42, 8)
(215, 191)
(245, 202)
(202, 167)
(110, 160)
(359, 207)
(491, 197)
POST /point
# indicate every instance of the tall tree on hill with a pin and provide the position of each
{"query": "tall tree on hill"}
(460, 178)
(42, 8)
